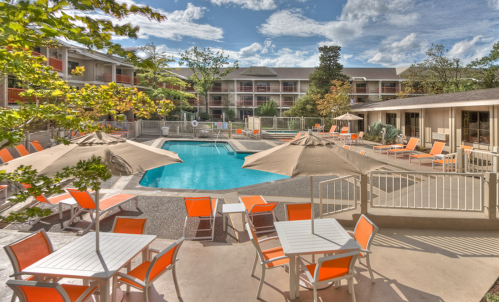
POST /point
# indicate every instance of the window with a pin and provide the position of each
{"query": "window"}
(217, 87)
(72, 65)
(360, 124)
(476, 127)
(360, 88)
(412, 124)
(289, 87)
(391, 119)
(246, 86)
(118, 71)
(217, 84)
(217, 97)
(262, 86)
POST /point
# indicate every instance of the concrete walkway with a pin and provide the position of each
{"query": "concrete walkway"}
(409, 265)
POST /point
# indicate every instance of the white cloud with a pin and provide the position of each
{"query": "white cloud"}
(402, 19)
(494, 4)
(249, 4)
(469, 50)
(180, 24)
(398, 53)
(250, 51)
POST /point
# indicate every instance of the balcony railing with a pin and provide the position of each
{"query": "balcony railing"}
(215, 102)
(216, 115)
(120, 78)
(175, 87)
(216, 89)
(360, 90)
(189, 89)
(245, 103)
(287, 103)
(258, 103)
(192, 102)
(14, 96)
(55, 63)
(389, 90)
(136, 81)
(36, 54)
(245, 89)
(289, 89)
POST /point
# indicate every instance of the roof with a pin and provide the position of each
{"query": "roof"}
(300, 73)
(482, 97)
(96, 54)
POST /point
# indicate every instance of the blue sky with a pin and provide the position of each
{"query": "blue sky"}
(287, 33)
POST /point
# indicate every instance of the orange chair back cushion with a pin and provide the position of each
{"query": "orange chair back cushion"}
(299, 211)
(239, 131)
(130, 226)
(37, 146)
(41, 294)
(258, 208)
(412, 143)
(363, 232)
(162, 263)
(437, 148)
(353, 136)
(22, 150)
(197, 207)
(334, 268)
(82, 198)
(361, 134)
(31, 250)
(5, 155)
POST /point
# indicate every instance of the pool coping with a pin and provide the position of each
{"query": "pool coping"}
(135, 180)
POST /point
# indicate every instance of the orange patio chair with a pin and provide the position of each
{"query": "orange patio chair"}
(27, 251)
(255, 133)
(344, 130)
(37, 146)
(32, 291)
(51, 202)
(298, 211)
(285, 140)
(240, 131)
(362, 152)
(5, 156)
(270, 258)
(331, 131)
(129, 225)
(331, 269)
(364, 234)
(437, 149)
(256, 206)
(4, 189)
(450, 159)
(347, 147)
(361, 137)
(202, 208)
(143, 276)
(354, 137)
(411, 146)
(22, 150)
(87, 204)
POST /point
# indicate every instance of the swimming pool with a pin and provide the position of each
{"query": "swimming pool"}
(205, 167)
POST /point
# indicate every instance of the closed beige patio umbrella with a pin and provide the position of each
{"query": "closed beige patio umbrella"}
(122, 157)
(348, 117)
(311, 156)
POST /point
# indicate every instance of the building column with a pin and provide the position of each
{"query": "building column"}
(452, 127)
(398, 119)
(494, 131)
(113, 72)
(132, 79)
(4, 97)
(46, 53)
(64, 58)
(492, 127)
(422, 127)
(299, 88)
(235, 98)
(400, 86)
(379, 90)
(253, 93)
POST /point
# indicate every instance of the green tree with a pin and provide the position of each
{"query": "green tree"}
(207, 67)
(336, 102)
(267, 109)
(304, 106)
(486, 70)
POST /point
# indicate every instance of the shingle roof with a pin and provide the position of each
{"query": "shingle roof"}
(429, 101)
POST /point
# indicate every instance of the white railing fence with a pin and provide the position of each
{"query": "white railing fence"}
(427, 191)
(339, 194)
(481, 162)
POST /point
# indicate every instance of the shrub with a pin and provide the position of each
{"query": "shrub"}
(391, 132)
(204, 116)
(294, 124)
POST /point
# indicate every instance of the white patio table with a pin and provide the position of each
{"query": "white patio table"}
(296, 239)
(79, 259)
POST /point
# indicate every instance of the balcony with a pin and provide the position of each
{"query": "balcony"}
(136, 81)
(289, 89)
(192, 102)
(245, 89)
(216, 115)
(14, 96)
(36, 54)
(216, 89)
(258, 103)
(56, 64)
(389, 90)
(216, 103)
(120, 78)
(360, 90)
(245, 103)
(288, 103)
(189, 89)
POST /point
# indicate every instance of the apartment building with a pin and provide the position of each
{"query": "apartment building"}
(245, 89)
(100, 69)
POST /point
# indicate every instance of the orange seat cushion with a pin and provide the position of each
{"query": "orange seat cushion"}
(401, 150)
(421, 155)
(274, 253)
(139, 272)
(386, 146)
(249, 201)
(331, 269)
(75, 291)
(114, 200)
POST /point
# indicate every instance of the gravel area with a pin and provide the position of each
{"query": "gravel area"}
(146, 139)
(255, 145)
(166, 219)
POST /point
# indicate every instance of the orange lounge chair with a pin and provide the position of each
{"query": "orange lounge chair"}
(256, 206)
(361, 137)
(22, 150)
(52, 202)
(450, 159)
(318, 127)
(364, 234)
(437, 149)
(87, 204)
(143, 276)
(362, 152)
(37, 146)
(202, 208)
(5, 156)
(285, 140)
(331, 131)
(347, 147)
(411, 146)
(386, 147)
(32, 291)
(269, 259)
(3, 189)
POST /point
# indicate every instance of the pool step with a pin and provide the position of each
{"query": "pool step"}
(229, 149)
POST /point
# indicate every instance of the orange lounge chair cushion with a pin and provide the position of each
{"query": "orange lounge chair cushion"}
(197, 208)
(114, 200)
(299, 211)
(75, 291)
(331, 269)
(363, 232)
(249, 201)
(2, 187)
(5, 155)
(130, 226)
(274, 253)
(386, 146)
(421, 155)
(38, 147)
(22, 150)
(401, 150)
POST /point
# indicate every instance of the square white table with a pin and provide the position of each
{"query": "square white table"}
(79, 259)
(296, 239)
(233, 208)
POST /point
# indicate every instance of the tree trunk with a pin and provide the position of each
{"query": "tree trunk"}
(206, 101)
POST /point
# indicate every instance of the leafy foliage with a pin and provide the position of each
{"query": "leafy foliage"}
(486, 70)
(207, 67)
(391, 132)
(336, 101)
(267, 109)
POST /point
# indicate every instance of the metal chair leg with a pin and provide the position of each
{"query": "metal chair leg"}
(369, 267)
(177, 289)
(261, 282)
(254, 265)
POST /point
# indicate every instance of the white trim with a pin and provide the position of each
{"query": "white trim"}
(434, 105)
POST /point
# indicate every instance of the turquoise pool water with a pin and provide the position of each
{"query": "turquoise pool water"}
(205, 167)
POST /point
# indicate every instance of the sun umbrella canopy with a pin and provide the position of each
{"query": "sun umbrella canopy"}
(311, 156)
(121, 156)
(348, 117)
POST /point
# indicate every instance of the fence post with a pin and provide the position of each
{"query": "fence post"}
(363, 194)
(460, 161)
(230, 129)
(495, 160)
(302, 122)
(490, 198)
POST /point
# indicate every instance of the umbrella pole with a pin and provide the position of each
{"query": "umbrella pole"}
(312, 202)
(97, 216)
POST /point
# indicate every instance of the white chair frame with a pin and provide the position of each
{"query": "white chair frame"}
(15, 284)
(250, 216)
(367, 251)
(144, 285)
(259, 256)
(315, 280)
(212, 218)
